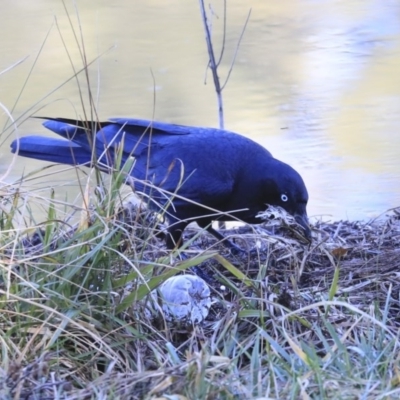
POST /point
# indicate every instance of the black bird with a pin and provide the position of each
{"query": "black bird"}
(196, 174)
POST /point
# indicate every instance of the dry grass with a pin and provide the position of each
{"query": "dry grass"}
(302, 321)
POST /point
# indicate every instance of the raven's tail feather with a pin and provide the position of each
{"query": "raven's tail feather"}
(76, 122)
(53, 150)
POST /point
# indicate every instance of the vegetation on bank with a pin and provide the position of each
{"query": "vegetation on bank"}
(288, 320)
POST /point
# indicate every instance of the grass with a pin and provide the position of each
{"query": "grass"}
(300, 322)
(288, 321)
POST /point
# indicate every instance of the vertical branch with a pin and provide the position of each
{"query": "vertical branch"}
(236, 51)
(213, 65)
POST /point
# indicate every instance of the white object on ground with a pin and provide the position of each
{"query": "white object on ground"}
(185, 298)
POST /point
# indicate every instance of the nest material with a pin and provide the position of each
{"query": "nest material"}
(365, 254)
(366, 257)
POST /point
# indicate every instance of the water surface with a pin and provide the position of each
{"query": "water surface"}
(316, 82)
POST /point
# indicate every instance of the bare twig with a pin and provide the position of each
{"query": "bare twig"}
(236, 51)
(213, 65)
(223, 37)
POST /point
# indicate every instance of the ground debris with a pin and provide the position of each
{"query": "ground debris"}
(366, 256)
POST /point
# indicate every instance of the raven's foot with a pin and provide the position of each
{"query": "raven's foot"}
(239, 252)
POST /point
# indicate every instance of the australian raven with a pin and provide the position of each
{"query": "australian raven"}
(193, 173)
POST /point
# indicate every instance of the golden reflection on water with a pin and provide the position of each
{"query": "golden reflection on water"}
(316, 82)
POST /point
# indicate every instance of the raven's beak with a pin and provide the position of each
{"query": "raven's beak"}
(302, 220)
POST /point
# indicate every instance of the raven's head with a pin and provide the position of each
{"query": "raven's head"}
(286, 189)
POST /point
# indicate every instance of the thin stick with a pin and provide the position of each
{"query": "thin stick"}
(213, 65)
(223, 37)
(236, 51)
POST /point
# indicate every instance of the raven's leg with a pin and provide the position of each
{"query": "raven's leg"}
(176, 228)
(207, 225)
(174, 236)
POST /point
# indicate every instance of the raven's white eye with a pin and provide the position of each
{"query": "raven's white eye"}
(284, 198)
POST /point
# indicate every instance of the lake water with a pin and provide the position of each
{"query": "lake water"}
(315, 82)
